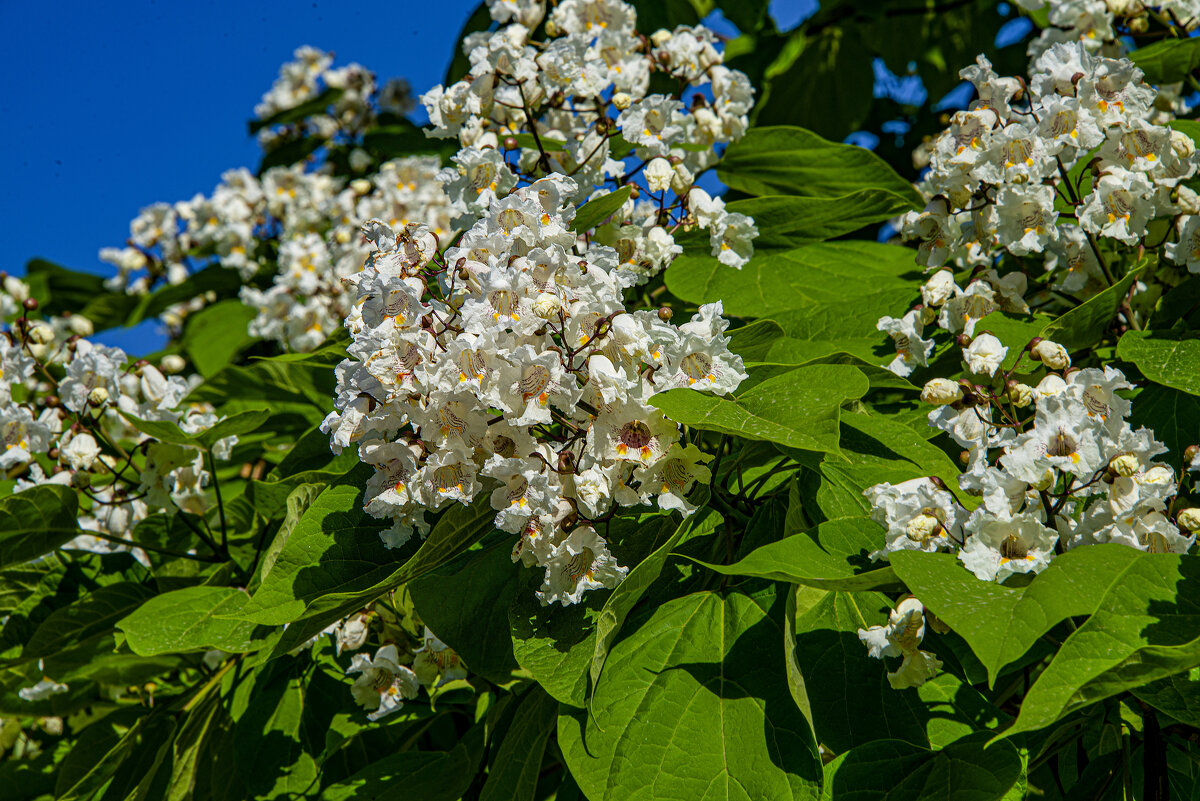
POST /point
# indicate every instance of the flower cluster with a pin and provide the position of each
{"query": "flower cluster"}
(1002, 183)
(511, 366)
(63, 406)
(1055, 466)
(1098, 25)
(578, 104)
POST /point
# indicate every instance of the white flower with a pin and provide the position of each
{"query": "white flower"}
(912, 349)
(579, 563)
(81, 451)
(659, 175)
(384, 682)
(941, 391)
(998, 548)
(985, 354)
(901, 637)
(1051, 354)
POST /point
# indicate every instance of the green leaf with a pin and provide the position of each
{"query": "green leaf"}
(724, 724)
(634, 586)
(224, 281)
(297, 503)
(93, 614)
(1174, 416)
(235, 424)
(1168, 61)
(1177, 695)
(460, 65)
(268, 751)
(1002, 623)
(596, 211)
(1085, 325)
(825, 558)
(1146, 627)
(466, 604)
(405, 139)
(798, 408)
(893, 770)
(427, 775)
(809, 278)
(308, 108)
(36, 521)
(785, 160)
(149, 730)
(190, 619)
(784, 221)
(214, 335)
(515, 769)
(1170, 358)
(853, 702)
(58, 289)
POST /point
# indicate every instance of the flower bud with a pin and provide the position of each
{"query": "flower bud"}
(1125, 464)
(1190, 454)
(361, 186)
(98, 397)
(552, 28)
(1189, 519)
(660, 37)
(922, 528)
(941, 391)
(1139, 24)
(173, 363)
(622, 101)
(658, 175)
(547, 305)
(1021, 395)
(665, 313)
(1051, 354)
(30, 303)
(1187, 200)
(41, 334)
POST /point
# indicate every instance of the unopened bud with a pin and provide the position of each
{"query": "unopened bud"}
(1139, 24)
(622, 101)
(937, 482)
(1189, 519)
(547, 305)
(511, 143)
(665, 313)
(30, 303)
(922, 528)
(1190, 453)
(1125, 464)
(81, 479)
(41, 334)
(1021, 395)
(173, 363)
(963, 340)
(941, 391)
(98, 397)
(1051, 354)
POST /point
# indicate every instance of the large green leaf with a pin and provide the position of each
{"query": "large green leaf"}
(1146, 627)
(825, 558)
(97, 612)
(798, 408)
(596, 211)
(235, 424)
(224, 281)
(893, 770)
(1171, 358)
(58, 290)
(1085, 325)
(190, 619)
(1174, 416)
(36, 521)
(268, 749)
(1168, 61)
(786, 221)
(466, 605)
(1002, 623)
(1177, 695)
(214, 335)
(428, 775)
(852, 702)
(807, 278)
(691, 708)
(634, 586)
(514, 775)
(785, 160)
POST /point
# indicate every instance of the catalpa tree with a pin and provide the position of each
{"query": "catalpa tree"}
(624, 433)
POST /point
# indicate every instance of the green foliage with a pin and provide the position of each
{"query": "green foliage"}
(1168, 61)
